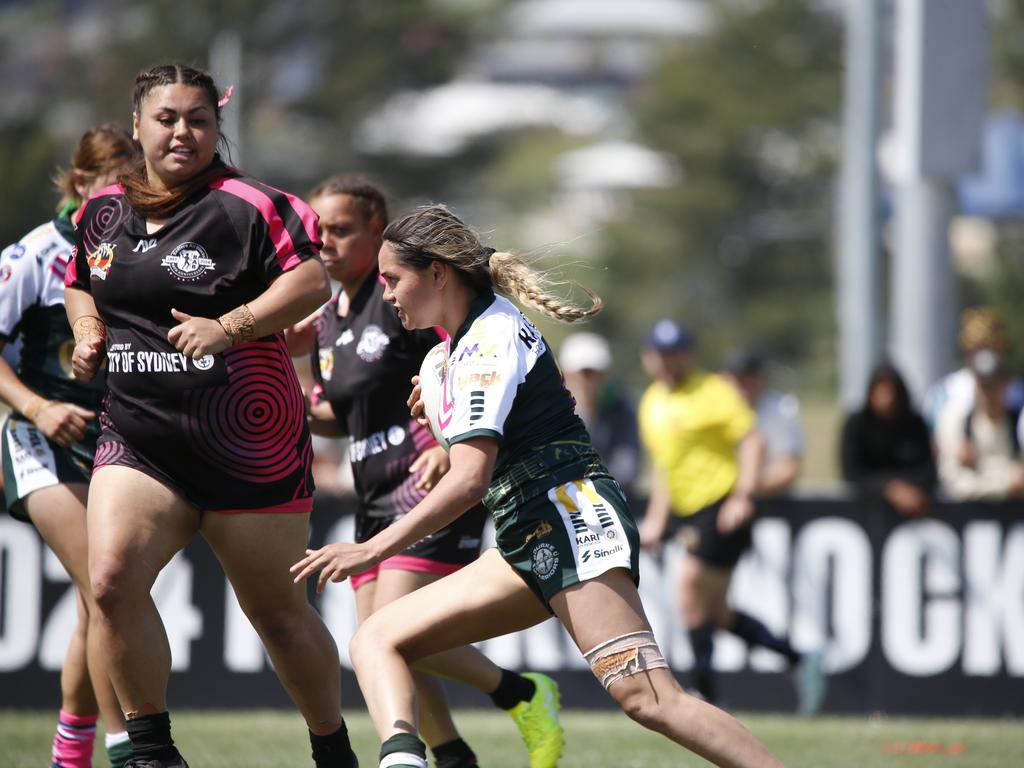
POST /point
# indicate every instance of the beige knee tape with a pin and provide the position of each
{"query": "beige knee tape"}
(625, 656)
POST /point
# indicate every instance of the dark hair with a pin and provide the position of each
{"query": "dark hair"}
(433, 233)
(102, 149)
(887, 372)
(367, 197)
(141, 195)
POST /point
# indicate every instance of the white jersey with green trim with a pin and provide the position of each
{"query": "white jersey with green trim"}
(502, 382)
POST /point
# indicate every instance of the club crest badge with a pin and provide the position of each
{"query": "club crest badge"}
(188, 262)
(544, 561)
(100, 260)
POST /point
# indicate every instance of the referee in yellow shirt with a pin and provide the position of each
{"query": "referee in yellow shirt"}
(706, 454)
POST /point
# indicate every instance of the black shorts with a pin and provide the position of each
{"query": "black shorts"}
(210, 486)
(700, 536)
(441, 553)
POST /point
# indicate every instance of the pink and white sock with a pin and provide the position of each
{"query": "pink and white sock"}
(73, 742)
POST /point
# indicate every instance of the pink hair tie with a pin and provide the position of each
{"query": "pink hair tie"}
(226, 97)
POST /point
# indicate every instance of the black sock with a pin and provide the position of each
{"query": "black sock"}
(332, 750)
(512, 689)
(702, 640)
(454, 754)
(755, 633)
(403, 742)
(151, 737)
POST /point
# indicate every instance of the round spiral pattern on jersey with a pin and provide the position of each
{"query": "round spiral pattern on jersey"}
(99, 226)
(251, 427)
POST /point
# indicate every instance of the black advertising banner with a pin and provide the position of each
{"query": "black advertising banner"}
(914, 617)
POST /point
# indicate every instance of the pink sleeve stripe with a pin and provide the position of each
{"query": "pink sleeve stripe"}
(113, 189)
(71, 273)
(310, 221)
(283, 245)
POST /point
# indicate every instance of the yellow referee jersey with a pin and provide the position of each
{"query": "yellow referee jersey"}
(691, 434)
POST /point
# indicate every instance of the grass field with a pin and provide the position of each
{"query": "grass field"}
(263, 739)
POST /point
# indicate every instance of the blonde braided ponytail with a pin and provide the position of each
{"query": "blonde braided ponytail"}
(433, 233)
(512, 276)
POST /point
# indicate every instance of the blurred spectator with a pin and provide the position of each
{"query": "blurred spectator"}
(706, 455)
(778, 421)
(981, 332)
(586, 361)
(886, 450)
(979, 445)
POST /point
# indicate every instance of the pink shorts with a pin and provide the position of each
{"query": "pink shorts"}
(403, 562)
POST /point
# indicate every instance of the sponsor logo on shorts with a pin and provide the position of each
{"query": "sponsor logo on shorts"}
(100, 260)
(188, 262)
(597, 554)
(372, 344)
(539, 532)
(545, 561)
(326, 363)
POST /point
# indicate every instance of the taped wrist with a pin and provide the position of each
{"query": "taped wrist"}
(239, 324)
(89, 326)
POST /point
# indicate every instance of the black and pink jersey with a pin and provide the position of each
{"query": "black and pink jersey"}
(363, 363)
(226, 430)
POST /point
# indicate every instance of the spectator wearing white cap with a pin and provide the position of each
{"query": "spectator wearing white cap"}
(586, 360)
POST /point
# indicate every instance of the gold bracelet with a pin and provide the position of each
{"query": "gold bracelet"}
(89, 326)
(239, 324)
(35, 405)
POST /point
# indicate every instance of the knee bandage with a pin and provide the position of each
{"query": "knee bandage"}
(624, 656)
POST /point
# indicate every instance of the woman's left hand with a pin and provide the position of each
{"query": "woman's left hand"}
(735, 512)
(431, 464)
(336, 562)
(197, 336)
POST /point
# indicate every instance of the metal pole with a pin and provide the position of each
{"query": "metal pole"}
(858, 291)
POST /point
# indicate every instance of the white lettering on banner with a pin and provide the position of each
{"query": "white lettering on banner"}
(921, 615)
(832, 564)
(243, 649)
(183, 622)
(20, 592)
(338, 602)
(53, 645)
(994, 599)
(760, 587)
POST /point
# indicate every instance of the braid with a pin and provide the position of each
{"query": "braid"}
(433, 233)
(511, 275)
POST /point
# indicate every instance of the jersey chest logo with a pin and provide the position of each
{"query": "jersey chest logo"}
(100, 260)
(188, 262)
(372, 344)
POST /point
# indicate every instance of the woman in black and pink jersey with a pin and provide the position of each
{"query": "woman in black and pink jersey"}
(184, 275)
(363, 361)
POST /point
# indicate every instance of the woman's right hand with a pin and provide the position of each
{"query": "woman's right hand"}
(64, 423)
(336, 562)
(87, 357)
(415, 403)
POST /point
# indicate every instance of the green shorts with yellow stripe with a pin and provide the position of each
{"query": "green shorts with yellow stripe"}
(574, 532)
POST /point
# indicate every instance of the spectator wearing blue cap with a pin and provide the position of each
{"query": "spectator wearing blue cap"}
(706, 456)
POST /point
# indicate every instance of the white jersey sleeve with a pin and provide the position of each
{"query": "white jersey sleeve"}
(487, 367)
(20, 286)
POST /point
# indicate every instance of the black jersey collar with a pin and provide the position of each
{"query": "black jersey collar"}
(476, 308)
(365, 291)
